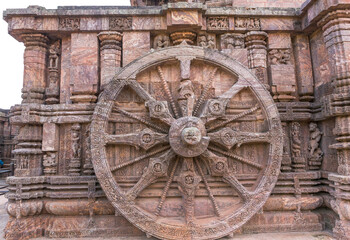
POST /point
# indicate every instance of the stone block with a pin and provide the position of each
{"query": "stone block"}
(50, 137)
(135, 44)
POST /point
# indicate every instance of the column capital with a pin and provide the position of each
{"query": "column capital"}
(35, 40)
(110, 40)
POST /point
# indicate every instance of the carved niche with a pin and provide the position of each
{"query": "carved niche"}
(182, 154)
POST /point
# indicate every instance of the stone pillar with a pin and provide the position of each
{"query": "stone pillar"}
(255, 42)
(281, 67)
(110, 55)
(34, 79)
(303, 66)
(336, 32)
(84, 67)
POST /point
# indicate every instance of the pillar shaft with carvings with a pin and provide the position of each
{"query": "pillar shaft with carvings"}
(110, 55)
(336, 32)
(257, 54)
(35, 59)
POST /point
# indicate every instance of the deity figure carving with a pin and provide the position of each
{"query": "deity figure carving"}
(315, 152)
(232, 41)
(52, 91)
(74, 165)
(206, 41)
(50, 163)
(161, 41)
(280, 56)
(298, 159)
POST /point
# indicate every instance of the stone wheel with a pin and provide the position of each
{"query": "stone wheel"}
(174, 156)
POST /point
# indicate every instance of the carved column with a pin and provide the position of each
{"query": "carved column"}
(281, 67)
(110, 55)
(336, 32)
(257, 54)
(34, 81)
(27, 153)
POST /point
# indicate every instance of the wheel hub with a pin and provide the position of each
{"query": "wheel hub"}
(187, 137)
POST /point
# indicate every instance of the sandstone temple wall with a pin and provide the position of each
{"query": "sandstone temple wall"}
(241, 110)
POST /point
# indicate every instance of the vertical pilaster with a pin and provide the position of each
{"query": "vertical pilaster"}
(255, 42)
(110, 55)
(336, 33)
(34, 79)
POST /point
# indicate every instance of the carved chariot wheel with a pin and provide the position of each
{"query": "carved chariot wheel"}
(186, 143)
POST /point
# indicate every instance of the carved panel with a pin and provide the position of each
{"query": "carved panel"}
(69, 23)
(120, 23)
(217, 23)
(247, 23)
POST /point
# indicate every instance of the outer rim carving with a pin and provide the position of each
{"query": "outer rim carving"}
(134, 214)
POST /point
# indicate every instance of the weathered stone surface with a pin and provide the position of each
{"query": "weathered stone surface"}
(165, 117)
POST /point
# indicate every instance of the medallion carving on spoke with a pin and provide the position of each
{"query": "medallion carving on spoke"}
(186, 148)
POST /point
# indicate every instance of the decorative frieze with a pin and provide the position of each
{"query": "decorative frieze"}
(247, 23)
(69, 24)
(120, 23)
(217, 23)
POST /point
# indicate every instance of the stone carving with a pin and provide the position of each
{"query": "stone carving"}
(207, 41)
(75, 162)
(50, 163)
(120, 23)
(180, 37)
(53, 92)
(161, 41)
(69, 23)
(87, 167)
(286, 159)
(299, 162)
(232, 41)
(185, 147)
(280, 56)
(315, 152)
(247, 23)
(217, 23)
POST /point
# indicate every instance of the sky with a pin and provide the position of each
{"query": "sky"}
(11, 51)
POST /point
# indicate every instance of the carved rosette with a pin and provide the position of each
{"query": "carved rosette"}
(180, 147)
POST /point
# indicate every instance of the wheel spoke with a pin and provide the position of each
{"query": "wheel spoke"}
(211, 196)
(135, 160)
(140, 91)
(228, 137)
(187, 183)
(166, 188)
(157, 167)
(205, 92)
(234, 156)
(240, 189)
(145, 139)
(133, 116)
(238, 116)
(215, 108)
(159, 110)
(167, 91)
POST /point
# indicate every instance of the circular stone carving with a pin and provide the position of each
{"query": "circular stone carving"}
(177, 168)
(187, 137)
